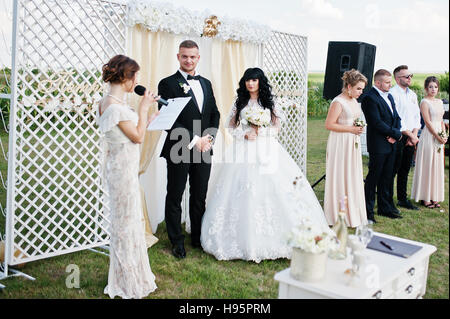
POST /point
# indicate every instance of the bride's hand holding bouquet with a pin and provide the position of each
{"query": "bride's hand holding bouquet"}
(255, 117)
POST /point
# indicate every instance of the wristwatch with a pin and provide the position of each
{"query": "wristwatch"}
(211, 139)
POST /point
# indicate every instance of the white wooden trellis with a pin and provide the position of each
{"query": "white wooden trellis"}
(55, 197)
(285, 64)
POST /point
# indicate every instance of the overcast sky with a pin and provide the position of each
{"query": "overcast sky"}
(404, 31)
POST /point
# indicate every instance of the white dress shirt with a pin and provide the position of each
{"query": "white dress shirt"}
(385, 95)
(407, 108)
(196, 88)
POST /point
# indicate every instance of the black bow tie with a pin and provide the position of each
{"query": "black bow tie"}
(190, 77)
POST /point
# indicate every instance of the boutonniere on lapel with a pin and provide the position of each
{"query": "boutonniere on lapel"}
(185, 87)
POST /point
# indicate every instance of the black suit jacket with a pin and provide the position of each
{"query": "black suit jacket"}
(381, 122)
(208, 119)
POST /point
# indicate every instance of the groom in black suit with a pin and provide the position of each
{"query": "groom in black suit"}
(383, 133)
(188, 146)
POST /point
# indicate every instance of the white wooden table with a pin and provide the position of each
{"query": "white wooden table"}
(383, 276)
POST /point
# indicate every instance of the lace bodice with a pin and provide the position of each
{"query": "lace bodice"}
(108, 121)
(240, 130)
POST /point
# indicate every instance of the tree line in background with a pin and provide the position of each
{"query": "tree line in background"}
(317, 105)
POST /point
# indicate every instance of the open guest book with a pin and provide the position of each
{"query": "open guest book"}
(393, 247)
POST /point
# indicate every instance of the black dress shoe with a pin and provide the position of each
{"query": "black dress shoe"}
(407, 204)
(371, 218)
(196, 244)
(178, 251)
(392, 215)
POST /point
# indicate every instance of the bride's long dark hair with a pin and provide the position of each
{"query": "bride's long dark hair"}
(265, 96)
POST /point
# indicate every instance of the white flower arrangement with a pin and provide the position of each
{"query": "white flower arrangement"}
(52, 105)
(256, 116)
(157, 16)
(28, 100)
(77, 103)
(312, 239)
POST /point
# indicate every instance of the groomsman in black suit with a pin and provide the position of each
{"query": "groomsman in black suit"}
(188, 146)
(383, 133)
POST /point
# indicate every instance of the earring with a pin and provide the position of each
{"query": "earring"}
(349, 94)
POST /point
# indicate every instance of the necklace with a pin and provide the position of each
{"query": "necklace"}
(117, 99)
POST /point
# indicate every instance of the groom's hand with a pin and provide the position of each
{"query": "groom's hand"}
(203, 144)
(207, 143)
(390, 140)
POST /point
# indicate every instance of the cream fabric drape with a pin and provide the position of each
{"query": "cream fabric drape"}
(222, 62)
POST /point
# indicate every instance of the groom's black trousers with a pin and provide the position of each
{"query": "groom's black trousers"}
(177, 175)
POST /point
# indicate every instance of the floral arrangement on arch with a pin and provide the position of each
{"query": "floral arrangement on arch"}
(312, 238)
(158, 16)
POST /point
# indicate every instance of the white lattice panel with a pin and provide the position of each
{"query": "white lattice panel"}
(285, 64)
(55, 197)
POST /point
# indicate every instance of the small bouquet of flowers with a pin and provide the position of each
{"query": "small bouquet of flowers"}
(358, 123)
(312, 239)
(256, 116)
(443, 134)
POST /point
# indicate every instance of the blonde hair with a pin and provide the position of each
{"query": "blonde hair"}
(352, 77)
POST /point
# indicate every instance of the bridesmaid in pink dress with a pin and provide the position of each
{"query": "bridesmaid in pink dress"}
(344, 171)
(428, 181)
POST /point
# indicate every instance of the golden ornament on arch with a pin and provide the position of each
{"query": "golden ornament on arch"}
(211, 25)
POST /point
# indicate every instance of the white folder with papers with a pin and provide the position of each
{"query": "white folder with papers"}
(168, 114)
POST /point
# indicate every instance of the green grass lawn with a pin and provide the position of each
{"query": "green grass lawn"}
(202, 276)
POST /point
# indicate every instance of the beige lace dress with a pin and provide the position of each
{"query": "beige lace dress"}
(130, 275)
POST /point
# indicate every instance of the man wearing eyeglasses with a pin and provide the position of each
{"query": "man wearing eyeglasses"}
(409, 111)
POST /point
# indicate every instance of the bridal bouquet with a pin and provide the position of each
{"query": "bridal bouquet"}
(256, 116)
(444, 135)
(358, 123)
(312, 239)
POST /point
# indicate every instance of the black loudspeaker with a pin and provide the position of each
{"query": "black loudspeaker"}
(344, 56)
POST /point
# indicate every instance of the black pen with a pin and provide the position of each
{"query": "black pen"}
(386, 245)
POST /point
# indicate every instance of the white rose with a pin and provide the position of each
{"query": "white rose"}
(28, 101)
(77, 100)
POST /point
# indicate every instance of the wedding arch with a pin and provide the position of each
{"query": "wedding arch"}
(55, 198)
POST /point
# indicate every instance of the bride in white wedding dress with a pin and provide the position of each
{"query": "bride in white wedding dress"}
(257, 192)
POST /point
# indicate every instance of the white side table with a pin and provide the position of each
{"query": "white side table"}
(383, 276)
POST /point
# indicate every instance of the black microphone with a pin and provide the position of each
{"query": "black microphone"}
(140, 90)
